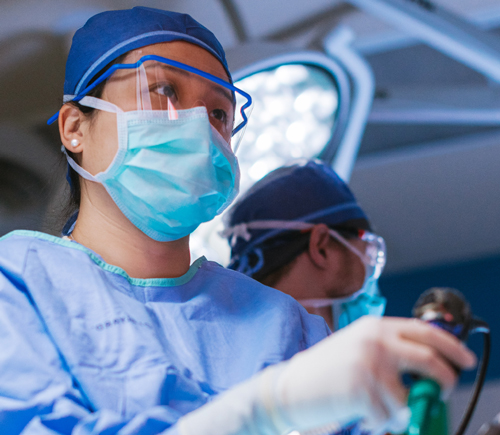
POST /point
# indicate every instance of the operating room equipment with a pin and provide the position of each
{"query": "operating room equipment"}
(447, 309)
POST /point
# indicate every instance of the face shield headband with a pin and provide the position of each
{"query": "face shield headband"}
(241, 100)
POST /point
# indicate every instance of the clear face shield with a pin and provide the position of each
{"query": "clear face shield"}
(158, 84)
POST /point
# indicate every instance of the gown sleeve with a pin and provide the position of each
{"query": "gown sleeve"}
(37, 393)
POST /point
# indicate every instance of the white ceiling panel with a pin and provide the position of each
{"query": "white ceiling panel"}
(434, 204)
(375, 35)
(263, 17)
(63, 16)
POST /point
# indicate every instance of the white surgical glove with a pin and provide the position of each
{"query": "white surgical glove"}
(353, 374)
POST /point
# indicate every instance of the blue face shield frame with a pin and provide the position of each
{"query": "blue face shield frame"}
(245, 107)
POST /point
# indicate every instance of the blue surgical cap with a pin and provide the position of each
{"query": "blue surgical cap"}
(309, 191)
(108, 35)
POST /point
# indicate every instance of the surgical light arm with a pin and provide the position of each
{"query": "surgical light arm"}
(447, 33)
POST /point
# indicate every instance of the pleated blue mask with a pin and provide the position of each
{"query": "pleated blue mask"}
(168, 175)
(365, 302)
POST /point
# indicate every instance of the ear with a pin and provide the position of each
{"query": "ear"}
(71, 121)
(320, 246)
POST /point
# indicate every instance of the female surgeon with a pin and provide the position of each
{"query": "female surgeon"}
(110, 330)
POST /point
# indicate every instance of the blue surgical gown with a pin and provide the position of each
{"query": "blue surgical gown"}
(86, 349)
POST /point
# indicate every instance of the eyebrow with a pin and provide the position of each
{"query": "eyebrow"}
(221, 90)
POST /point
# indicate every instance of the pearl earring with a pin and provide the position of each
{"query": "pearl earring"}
(74, 142)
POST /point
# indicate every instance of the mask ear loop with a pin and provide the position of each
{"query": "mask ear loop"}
(369, 267)
(364, 258)
(95, 103)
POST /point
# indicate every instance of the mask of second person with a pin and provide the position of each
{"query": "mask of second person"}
(365, 302)
(169, 175)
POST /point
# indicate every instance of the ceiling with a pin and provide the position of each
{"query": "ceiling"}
(430, 186)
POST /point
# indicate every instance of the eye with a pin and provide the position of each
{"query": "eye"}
(166, 90)
(220, 115)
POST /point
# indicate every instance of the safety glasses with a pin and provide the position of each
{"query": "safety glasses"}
(374, 254)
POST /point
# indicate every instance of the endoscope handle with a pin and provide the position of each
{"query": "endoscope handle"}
(428, 411)
(446, 309)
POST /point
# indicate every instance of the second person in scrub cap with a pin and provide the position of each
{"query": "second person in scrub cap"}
(111, 330)
(300, 230)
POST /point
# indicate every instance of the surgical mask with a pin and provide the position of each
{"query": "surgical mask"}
(169, 174)
(366, 301)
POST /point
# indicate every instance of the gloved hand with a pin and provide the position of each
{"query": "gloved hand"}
(356, 373)
(353, 374)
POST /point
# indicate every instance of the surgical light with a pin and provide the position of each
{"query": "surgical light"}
(293, 117)
(301, 105)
